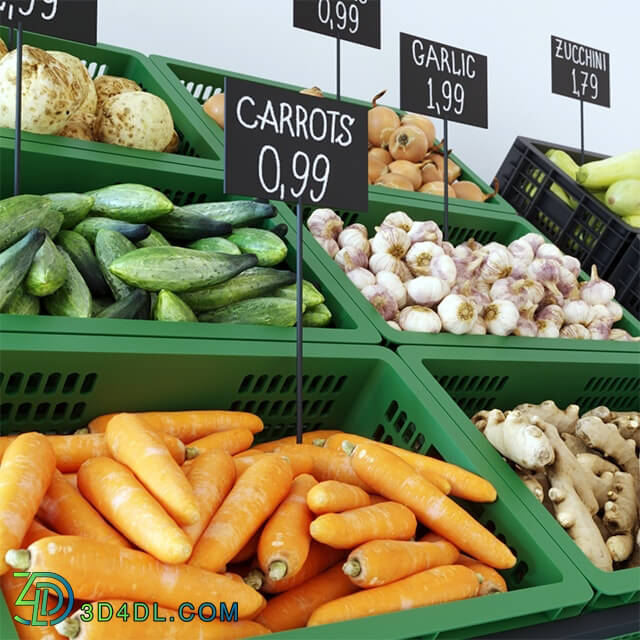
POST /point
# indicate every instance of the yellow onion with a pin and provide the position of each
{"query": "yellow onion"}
(408, 170)
(313, 91)
(470, 191)
(382, 121)
(437, 189)
(395, 181)
(408, 143)
(376, 169)
(454, 169)
(430, 172)
(422, 122)
(380, 154)
(214, 107)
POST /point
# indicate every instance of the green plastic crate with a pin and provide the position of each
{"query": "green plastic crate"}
(196, 83)
(465, 382)
(366, 390)
(484, 228)
(44, 171)
(197, 146)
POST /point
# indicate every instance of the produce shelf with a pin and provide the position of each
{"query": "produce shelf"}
(59, 386)
(197, 146)
(44, 171)
(484, 228)
(196, 83)
(465, 381)
(591, 232)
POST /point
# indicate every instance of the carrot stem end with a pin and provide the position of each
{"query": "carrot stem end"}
(69, 628)
(18, 559)
(277, 570)
(351, 568)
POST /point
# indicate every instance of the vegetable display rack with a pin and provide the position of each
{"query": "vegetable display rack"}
(197, 146)
(590, 232)
(79, 171)
(196, 83)
(58, 387)
(485, 228)
(503, 379)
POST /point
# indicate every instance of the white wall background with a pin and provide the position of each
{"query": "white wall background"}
(257, 37)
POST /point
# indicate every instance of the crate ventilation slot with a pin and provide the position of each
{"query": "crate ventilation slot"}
(273, 385)
(18, 383)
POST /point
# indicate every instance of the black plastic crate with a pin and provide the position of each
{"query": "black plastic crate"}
(625, 276)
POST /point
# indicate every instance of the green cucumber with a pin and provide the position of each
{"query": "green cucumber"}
(48, 271)
(74, 207)
(135, 203)
(215, 245)
(273, 312)
(154, 239)
(178, 269)
(170, 308)
(100, 304)
(16, 261)
(280, 230)
(20, 214)
(89, 228)
(267, 246)
(318, 316)
(73, 298)
(80, 252)
(127, 308)
(254, 282)
(111, 245)
(311, 297)
(238, 213)
(22, 303)
(186, 226)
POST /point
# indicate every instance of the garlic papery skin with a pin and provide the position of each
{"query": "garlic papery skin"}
(467, 266)
(394, 325)
(615, 310)
(575, 331)
(476, 291)
(501, 317)
(448, 249)
(597, 291)
(553, 314)
(350, 258)
(458, 314)
(392, 283)
(444, 268)
(620, 335)
(522, 254)
(478, 328)
(427, 290)
(577, 312)
(526, 328)
(325, 223)
(398, 219)
(427, 231)
(391, 240)
(498, 264)
(386, 262)
(419, 257)
(355, 239)
(550, 252)
(329, 245)
(571, 264)
(382, 300)
(534, 239)
(509, 289)
(601, 312)
(361, 278)
(547, 329)
(599, 330)
(546, 272)
(567, 282)
(534, 290)
(420, 319)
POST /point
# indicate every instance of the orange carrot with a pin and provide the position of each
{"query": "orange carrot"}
(64, 509)
(211, 475)
(332, 496)
(254, 497)
(248, 452)
(298, 457)
(232, 441)
(492, 581)
(116, 493)
(284, 543)
(346, 530)
(142, 450)
(190, 425)
(97, 571)
(433, 586)
(383, 561)
(71, 478)
(36, 531)
(249, 550)
(376, 499)
(392, 477)
(309, 437)
(25, 474)
(292, 609)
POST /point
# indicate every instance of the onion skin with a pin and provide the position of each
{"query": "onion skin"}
(408, 142)
(376, 169)
(395, 181)
(454, 169)
(437, 189)
(408, 170)
(422, 122)
(470, 191)
(214, 107)
(381, 122)
(380, 154)
(431, 173)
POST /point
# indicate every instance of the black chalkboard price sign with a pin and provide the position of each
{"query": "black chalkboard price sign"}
(443, 81)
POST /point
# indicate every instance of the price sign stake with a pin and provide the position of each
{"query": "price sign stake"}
(581, 73)
(445, 82)
(282, 145)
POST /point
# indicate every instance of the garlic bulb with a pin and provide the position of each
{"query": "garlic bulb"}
(615, 310)
(510, 289)
(526, 328)
(575, 331)
(325, 223)
(420, 255)
(427, 290)
(501, 317)
(392, 283)
(535, 290)
(448, 248)
(497, 264)
(547, 329)
(467, 266)
(572, 264)
(350, 258)
(386, 262)
(478, 328)
(597, 291)
(552, 297)
(391, 240)
(427, 231)
(394, 325)
(549, 251)
(476, 291)
(534, 239)
(622, 336)
(567, 282)
(354, 238)
(553, 314)
(398, 219)
(458, 314)
(382, 300)
(522, 257)
(420, 319)
(444, 268)
(546, 272)
(361, 277)
(599, 330)
(577, 312)
(329, 245)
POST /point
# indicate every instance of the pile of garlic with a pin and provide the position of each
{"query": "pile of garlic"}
(418, 282)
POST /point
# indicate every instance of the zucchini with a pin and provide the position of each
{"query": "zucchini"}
(254, 282)
(74, 207)
(89, 228)
(273, 312)
(22, 303)
(135, 203)
(178, 269)
(48, 271)
(100, 304)
(80, 252)
(267, 246)
(238, 213)
(127, 308)
(186, 226)
(311, 297)
(20, 214)
(73, 298)
(111, 245)
(154, 239)
(318, 316)
(170, 308)
(280, 230)
(16, 261)
(215, 245)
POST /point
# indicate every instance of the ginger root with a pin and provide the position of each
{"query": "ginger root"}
(564, 421)
(601, 412)
(534, 483)
(480, 419)
(628, 428)
(603, 472)
(574, 444)
(621, 516)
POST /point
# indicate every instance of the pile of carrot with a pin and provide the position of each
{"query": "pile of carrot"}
(170, 507)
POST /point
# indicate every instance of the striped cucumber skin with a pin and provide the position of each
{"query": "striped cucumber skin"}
(127, 308)
(311, 297)
(73, 298)
(22, 303)
(80, 252)
(239, 213)
(177, 269)
(252, 283)
(267, 246)
(170, 308)
(74, 207)
(111, 245)
(273, 312)
(21, 214)
(48, 271)
(318, 316)
(215, 245)
(135, 203)
(16, 261)
(89, 228)
(187, 226)
(154, 239)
